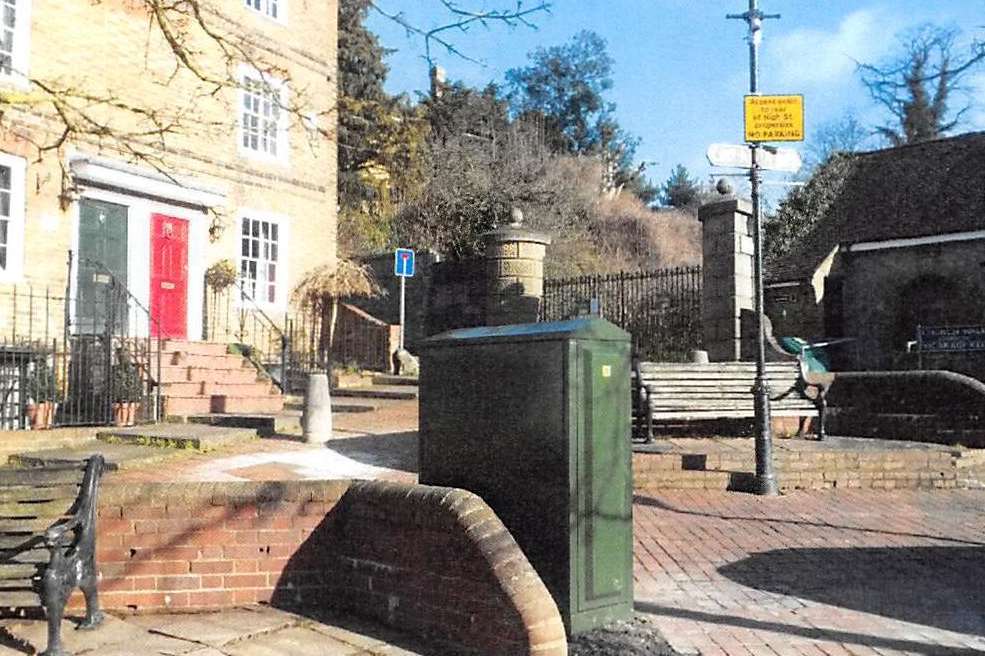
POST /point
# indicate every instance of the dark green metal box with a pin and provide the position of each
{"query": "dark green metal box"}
(535, 419)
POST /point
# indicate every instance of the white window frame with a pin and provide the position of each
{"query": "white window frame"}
(21, 50)
(262, 7)
(283, 143)
(14, 270)
(281, 284)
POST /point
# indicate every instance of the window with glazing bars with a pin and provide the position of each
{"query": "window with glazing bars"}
(259, 258)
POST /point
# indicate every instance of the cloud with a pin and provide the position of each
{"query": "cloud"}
(809, 57)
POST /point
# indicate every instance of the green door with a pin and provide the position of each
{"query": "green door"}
(102, 267)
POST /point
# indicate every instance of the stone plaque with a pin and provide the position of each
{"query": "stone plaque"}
(529, 268)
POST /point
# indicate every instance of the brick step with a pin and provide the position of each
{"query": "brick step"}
(208, 388)
(182, 406)
(266, 405)
(186, 374)
(225, 361)
(195, 348)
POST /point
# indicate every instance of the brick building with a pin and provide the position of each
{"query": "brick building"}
(902, 245)
(141, 143)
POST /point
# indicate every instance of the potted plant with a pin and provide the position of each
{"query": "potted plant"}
(42, 392)
(221, 275)
(128, 391)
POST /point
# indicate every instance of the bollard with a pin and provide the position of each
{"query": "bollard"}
(316, 419)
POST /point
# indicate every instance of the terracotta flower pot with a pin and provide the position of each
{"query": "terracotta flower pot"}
(42, 415)
(125, 413)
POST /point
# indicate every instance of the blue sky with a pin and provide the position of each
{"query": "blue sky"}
(681, 68)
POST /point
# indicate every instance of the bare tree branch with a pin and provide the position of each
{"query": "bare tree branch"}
(464, 19)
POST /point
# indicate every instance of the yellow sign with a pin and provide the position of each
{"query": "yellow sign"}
(774, 118)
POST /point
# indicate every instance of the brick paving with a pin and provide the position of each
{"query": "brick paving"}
(834, 573)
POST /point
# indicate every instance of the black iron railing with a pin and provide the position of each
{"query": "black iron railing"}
(661, 308)
(69, 361)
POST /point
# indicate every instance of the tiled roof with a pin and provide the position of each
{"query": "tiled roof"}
(931, 188)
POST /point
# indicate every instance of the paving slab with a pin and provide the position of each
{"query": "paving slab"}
(216, 629)
(201, 437)
(296, 641)
(118, 456)
(247, 631)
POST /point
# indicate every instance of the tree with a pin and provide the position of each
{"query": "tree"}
(680, 190)
(566, 85)
(845, 134)
(797, 214)
(918, 87)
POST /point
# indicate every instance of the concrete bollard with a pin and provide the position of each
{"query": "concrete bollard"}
(698, 357)
(316, 419)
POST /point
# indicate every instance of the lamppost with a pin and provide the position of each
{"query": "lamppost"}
(765, 483)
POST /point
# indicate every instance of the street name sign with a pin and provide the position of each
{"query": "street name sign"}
(403, 263)
(774, 118)
(768, 159)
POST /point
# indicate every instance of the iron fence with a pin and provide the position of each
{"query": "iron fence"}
(67, 361)
(661, 308)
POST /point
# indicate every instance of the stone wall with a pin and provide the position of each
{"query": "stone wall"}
(457, 296)
(880, 315)
(435, 562)
(418, 291)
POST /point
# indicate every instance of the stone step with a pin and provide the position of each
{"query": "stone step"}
(179, 436)
(184, 374)
(296, 403)
(264, 425)
(378, 392)
(171, 346)
(269, 404)
(118, 456)
(12, 442)
(393, 380)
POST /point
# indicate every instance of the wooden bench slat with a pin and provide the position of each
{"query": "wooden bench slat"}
(34, 555)
(10, 571)
(23, 583)
(53, 508)
(27, 525)
(19, 599)
(35, 493)
(39, 477)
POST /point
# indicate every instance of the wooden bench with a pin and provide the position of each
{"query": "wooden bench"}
(665, 391)
(48, 541)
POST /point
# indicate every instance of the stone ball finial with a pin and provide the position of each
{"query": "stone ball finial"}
(516, 216)
(724, 187)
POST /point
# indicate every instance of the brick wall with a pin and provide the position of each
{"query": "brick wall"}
(435, 562)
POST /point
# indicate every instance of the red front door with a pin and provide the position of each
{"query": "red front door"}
(169, 276)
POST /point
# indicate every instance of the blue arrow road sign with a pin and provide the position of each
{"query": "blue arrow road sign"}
(403, 263)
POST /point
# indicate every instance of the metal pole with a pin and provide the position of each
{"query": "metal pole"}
(765, 483)
(403, 285)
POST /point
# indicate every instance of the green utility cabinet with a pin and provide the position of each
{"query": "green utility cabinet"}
(535, 419)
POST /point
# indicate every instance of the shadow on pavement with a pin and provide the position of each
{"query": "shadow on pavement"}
(656, 503)
(806, 632)
(392, 450)
(932, 586)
